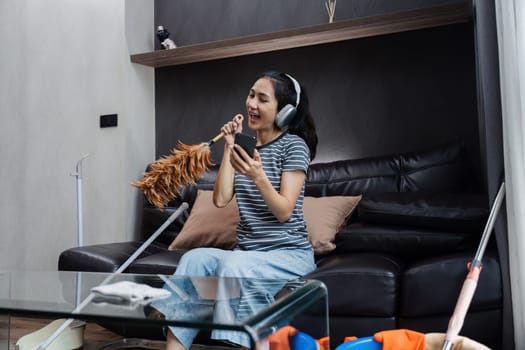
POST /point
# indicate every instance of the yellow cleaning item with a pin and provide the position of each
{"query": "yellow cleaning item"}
(71, 338)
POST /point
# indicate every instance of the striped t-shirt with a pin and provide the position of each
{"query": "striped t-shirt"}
(258, 228)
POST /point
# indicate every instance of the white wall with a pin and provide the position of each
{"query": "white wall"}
(62, 64)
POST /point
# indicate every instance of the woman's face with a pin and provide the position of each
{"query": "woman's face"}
(261, 105)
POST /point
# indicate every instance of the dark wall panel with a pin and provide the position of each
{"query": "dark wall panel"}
(197, 21)
(371, 96)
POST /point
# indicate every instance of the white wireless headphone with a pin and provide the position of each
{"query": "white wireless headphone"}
(287, 113)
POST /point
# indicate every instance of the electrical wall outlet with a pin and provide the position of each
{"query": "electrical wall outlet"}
(108, 120)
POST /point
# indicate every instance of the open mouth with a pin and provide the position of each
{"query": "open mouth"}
(254, 117)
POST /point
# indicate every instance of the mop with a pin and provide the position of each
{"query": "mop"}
(407, 339)
(469, 286)
(125, 265)
(72, 338)
(185, 165)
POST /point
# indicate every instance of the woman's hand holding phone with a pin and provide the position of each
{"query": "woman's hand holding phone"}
(244, 156)
(247, 143)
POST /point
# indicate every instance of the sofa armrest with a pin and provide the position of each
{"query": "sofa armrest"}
(103, 257)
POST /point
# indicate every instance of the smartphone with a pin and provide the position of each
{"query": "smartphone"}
(246, 142)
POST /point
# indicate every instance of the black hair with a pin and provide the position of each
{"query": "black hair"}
(302, 124)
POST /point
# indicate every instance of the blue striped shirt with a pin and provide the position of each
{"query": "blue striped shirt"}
(258, 228)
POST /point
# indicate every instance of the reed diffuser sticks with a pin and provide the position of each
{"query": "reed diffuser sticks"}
(330, 8)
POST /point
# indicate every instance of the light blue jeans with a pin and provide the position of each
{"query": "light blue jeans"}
(278, 264)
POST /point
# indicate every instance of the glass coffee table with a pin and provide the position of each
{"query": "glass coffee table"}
(254, 307)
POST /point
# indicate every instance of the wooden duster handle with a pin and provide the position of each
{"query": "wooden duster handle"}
(240, 117)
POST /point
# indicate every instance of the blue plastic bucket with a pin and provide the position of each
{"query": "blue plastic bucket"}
(364, 343)
(302, 341)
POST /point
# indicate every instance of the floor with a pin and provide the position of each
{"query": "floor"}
(95, 336)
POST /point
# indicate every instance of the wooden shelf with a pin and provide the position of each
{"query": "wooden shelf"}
(307, 36)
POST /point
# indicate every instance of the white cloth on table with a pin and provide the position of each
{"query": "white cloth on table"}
(130, 291)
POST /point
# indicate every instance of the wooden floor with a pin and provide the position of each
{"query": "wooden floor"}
(95, 336)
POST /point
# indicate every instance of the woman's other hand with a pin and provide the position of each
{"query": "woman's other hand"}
(231, 128)
(223, 188)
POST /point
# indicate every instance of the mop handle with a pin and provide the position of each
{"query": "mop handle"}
(490, 223)
(465, 297)
(469, 286)
(239, 116)
(128, 262)
(153, 237)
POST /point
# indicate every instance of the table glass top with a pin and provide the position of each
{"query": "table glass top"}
(205, 302)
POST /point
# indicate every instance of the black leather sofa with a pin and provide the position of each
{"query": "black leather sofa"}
(400, 260)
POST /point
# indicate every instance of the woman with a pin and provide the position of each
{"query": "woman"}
(269, 188)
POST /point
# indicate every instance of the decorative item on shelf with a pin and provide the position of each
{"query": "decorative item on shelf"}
(330, 8)
(163, 36)
(184, 166)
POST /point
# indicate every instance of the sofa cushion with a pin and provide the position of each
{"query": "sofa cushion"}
(440, 169)
(208, 226)
(324, 217)
(399, 240)
(441, 278)
(164, 263)
(360, 284)
(441, 211)
(352, 177)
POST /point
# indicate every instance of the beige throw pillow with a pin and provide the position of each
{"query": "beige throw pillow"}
(325, 216)
(208, 226)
